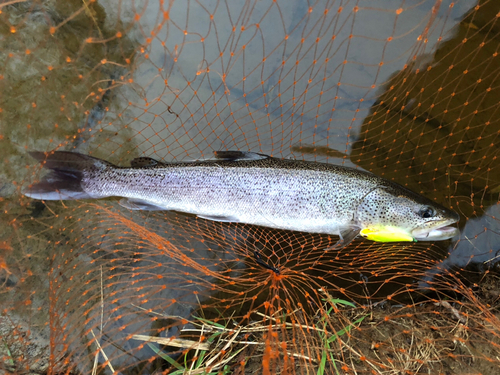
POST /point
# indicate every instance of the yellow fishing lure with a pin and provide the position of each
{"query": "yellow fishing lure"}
(386, 234)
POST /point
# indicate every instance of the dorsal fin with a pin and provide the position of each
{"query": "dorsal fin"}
(239, 155)
(144, 162)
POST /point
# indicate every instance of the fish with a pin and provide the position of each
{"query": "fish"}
(252, 188)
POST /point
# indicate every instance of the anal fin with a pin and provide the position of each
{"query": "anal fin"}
(224, 219)
(137, 204)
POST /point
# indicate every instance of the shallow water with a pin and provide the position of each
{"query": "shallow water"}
(258, 81)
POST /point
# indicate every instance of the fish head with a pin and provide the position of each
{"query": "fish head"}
(389, 214)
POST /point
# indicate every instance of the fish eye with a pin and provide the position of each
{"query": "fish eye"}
(426, 212)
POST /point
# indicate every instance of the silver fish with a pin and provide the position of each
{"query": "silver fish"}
(251, 188)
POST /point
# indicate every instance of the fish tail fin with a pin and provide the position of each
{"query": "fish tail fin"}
(64, 181)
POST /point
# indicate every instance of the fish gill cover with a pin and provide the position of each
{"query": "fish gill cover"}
(407, 90)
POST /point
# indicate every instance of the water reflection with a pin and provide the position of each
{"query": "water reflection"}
(262, 79)
(477, 249)
(434, 130)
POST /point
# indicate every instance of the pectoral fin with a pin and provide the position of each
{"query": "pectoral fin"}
(137, 204)
(346, 237)
(224, 219)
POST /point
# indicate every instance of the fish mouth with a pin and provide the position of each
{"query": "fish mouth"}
(437, 230)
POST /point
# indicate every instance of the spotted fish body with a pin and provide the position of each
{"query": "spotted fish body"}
(254, 189)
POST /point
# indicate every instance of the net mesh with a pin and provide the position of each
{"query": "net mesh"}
(406, 89)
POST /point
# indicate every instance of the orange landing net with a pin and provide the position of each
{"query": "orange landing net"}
(406, 89)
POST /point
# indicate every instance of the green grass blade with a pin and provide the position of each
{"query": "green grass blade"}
(165, 356)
